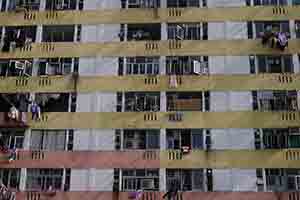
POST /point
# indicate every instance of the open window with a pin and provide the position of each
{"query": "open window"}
(17, 67)
(145, 179)
(275, 64)
(43, 179)
(142, 65)
(12, 138)
(187, 65)
(184, 3)
(10, 178)
(20, 101)
(141, 139)
(275, 26)
(186, 179)
(185, 101)
(179, 138)
(55, 66)
(141, 3)
(63, 4)
(142, 101)
(187, 31)
(58, 33)
(277, 100)
(143, 32)
(53, 102)
(22, 5)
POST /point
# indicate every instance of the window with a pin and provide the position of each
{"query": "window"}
(275, 64)
(143, 3)
(183, 3)
(277, 100)
(12, 138)
(21, 32)
(187, 65)
(17, 67)
(50, 140)
(141, 139)
(185, 101)
(139, 101)
(53, 102)
(283, 179)
(20, 101)
(61, 4)
(42, 179)
(188, 31)
(28, 4)
(186, 179)
(178, 138)
(296, 2)
(261, 26)
(59, 33)
(281, 138)
(143, 32)
(55, 66)
(142, 65)
(10, 177)
(270, 2)
(297, 28)
(135, 179)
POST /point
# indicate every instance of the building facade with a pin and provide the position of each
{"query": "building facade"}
(24, 178)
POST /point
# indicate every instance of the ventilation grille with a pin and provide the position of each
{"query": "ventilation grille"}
(37, 155)
(21, 82)
(48, 47)
(292, 155)
(175, 44)
(45, 81)
(29, 15)
(289, 116)
(150, 117)
(176, 117)
(279, 10)
(175, 155)
(150, 155)
(175, 12)
(285, 78)
(33, 196)
(294, 196)
(150, 46)
(151, 80)
(52, 15)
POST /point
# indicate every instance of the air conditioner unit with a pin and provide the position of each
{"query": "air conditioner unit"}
(147, 184)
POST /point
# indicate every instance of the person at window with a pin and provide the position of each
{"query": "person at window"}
(268, 36)
(35, 111)
(13, 113)
(172, 192)
(13, 155)
(281, 40)
(6, 43)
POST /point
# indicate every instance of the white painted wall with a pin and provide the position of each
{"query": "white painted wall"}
(91, 180)
(101, 4)
(234, 179)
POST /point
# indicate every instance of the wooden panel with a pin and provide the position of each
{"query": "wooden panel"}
(117, 16)
(229, 159)
(145, 83)
(215, 159)
(151, 48)
(164, 120)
